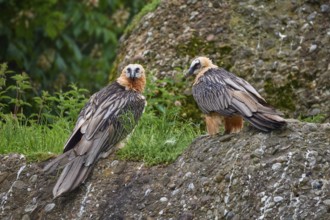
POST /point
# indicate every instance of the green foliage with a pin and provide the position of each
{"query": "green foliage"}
(49, 107)
(167, 93)
(163, 93)
(43, 131)
(3, 89)
(22, 85)
(58, 42)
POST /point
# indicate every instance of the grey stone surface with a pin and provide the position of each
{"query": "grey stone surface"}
(280, 47)
(290, 180)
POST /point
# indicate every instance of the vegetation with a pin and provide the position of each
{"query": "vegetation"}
(42, 131)
(164, 130)
(160, 137)
(54, 43)
(319, 118)
(58, 42)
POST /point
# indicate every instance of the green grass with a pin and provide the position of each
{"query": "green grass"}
(37, 142)
(319, 118)
(159, 139)
(156, 140)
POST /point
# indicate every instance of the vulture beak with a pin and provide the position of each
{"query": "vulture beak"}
(190, 72)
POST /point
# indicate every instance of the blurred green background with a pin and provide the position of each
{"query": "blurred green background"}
(60, 42)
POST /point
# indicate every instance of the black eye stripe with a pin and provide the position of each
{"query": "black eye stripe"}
(137, 70)
(129, 70)
(196, 66)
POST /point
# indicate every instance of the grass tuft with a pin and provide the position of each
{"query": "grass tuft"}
(319, 118)
(33, 140)
(159, 139)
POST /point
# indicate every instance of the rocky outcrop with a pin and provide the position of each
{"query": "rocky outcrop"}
(250, 175)
(282, 48)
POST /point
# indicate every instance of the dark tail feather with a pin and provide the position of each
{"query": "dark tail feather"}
(59, 161)
(72, 176)
(266, 121)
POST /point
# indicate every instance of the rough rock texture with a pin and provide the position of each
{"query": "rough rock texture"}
(280, 47)
(250, 175)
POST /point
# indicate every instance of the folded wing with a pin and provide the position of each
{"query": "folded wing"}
(223, 92)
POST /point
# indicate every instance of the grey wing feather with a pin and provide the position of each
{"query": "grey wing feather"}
(240, 84)
(211, 94)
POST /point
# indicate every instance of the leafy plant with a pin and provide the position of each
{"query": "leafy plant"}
(3, 88)
(58, 42)
(41, 132)
(163, 93)
(21, 86)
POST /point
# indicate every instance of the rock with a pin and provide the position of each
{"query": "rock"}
(259, 152)
(163, 199)
(147, 192)
(3, 176)
(214, 178)
(230, 215)
(119, 168)
(191, 186)
(276, 166)
(278, 199)
(317, 184)
(26, 217)
(309, 127)
(312, 48)
(19, 184)
(186, 216)
(325, 8)
(312, 16)
(314, 111)
(326, 202)
(188, 174)
(33, 178)
(49, 207)
(175, 192)
(325, 126)
(30, 207)
(277, 36)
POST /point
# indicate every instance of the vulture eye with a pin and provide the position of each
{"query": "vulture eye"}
(137, 70)
(129, 70)
(197, 63)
